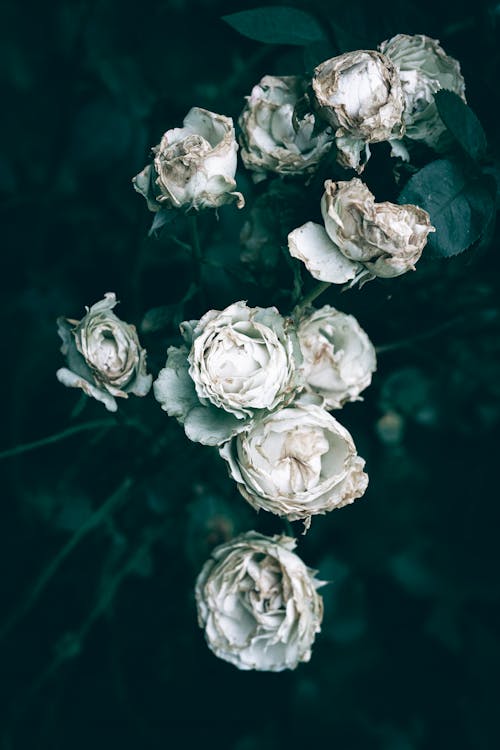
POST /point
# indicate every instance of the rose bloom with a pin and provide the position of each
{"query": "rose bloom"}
(360, 239)
(359, 94)
(296, 462)
(270, 139)
(240, 361)
(424, 68)
(339, 358)
(258, 603)
(103, 355)
(194, 166)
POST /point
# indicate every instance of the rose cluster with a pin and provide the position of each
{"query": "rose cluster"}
(260, 387)
(256, 384)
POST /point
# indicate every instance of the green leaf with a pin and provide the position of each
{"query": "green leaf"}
(460, 205)
(162, 217)
(462, 124)
(277, 25)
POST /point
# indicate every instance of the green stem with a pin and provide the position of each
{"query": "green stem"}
(70, 646)
(401, 343)
(94, 425)
(195, 238)
(197, 252)
(313, 294)
(41, 583)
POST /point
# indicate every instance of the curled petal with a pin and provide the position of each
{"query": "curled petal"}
(311, 244)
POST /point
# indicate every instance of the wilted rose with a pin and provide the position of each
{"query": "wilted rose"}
(339, 358)
(258, 603)
(272, 138)
(424, 68)
(194, 166)
(103, 355)
(359, 94)
(361, 239)
(240, 361)
(296, 462)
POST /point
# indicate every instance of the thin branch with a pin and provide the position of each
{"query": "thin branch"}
(402, 343)
(25, 447)
(313, 294)
(44, 579)
(197, 252)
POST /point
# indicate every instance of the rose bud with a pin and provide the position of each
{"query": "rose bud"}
(103, 355)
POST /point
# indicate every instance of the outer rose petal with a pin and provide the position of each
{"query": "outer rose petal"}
(311, 244)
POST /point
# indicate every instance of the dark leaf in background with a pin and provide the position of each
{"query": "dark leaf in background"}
(276, 25)
(459, 204)
(316, 52)
(103, 134)
(462, 124)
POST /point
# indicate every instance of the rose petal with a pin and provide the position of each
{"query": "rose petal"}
(322, 258)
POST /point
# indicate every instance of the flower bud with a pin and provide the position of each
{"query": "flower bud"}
(258, 603)
(194, 166)
(103, 354)
(359, 94)
(271, 139)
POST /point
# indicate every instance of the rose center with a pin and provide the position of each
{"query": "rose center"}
(361, 90)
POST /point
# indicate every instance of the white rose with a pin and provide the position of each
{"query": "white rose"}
(339, 358)
(297, 462)
(360, 239)
(241, 361)
(359, 94)
(194, 166)
(103, 354)
(270, 140)
(424, 68)
(258, 603)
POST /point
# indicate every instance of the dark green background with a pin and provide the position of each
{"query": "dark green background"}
(109, 654)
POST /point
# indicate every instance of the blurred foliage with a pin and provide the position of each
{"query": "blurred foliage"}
(103, 533)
